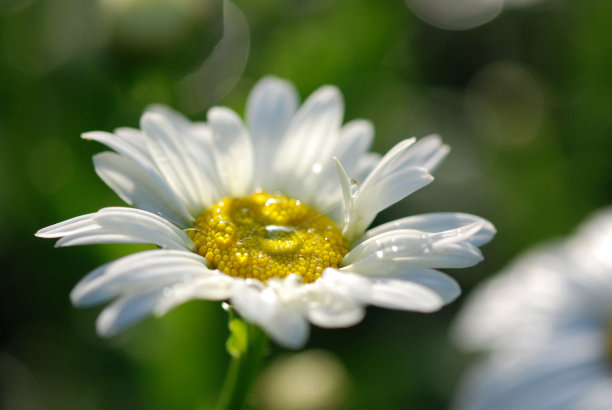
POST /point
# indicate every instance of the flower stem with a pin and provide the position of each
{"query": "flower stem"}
(247, 345)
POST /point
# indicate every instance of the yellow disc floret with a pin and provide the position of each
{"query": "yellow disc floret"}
(266, 236)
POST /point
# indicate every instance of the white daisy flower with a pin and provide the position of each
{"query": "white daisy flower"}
(547, 324)
(268, 214)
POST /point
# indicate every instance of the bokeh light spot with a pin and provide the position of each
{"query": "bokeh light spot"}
(456, 14)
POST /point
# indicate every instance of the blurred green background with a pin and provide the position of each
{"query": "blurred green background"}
(522, 92)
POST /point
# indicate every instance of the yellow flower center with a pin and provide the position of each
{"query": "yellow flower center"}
(264, 236)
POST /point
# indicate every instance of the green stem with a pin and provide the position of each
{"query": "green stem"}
(247, 345)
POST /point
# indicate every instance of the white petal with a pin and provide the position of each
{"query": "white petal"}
(197, 138)
(440, 250)
(101, 235)
(327, 198)
(289, 329)
(437, 222)
(445, 286)
(397, 292)
(599, 395)
(135, 219)
(426, 153)
(348, 192)
(270, 107)
(310, 139)
(137, 273)
(439, 282)
(215, 286)
(130, 144)
(120, 225)
(138, 303)
(457, 255)
(333, 300)
(388, 164)
(514, 309)
(143, 226)
(127, 311)
(233, 151)
(341, 312)
(175, 118)
(176, 164)
(347, 282)
(390, 189)
(138, 188)
(400, 172)
(375, 196)
(559, 374)
(394, 177)
(135, 137)
(67, 227)
(355, 140)
(394, 293)
(283, 322)
(366, 165)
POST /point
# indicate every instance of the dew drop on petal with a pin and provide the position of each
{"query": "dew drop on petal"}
(354, 184)
(427, 244)
(380, 253)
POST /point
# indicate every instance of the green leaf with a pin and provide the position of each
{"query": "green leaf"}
(238, 341)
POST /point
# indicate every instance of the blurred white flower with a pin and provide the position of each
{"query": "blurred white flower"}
(267, 216)
(546, 322)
